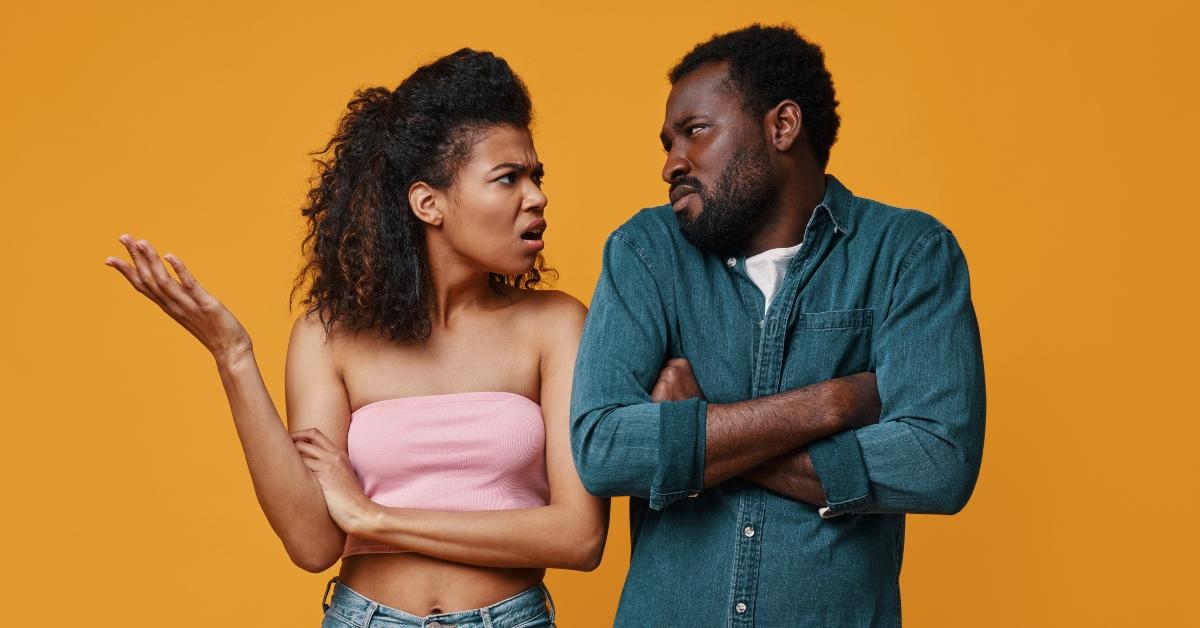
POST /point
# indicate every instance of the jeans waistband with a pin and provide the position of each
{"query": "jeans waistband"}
(359, 609)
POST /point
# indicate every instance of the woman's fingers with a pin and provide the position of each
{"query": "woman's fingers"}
(313, 465)
(315, 440)
(137, 277)
(140, 264)
(167, 286)
(189, 283)
(309, 451)
(129, 273)
(317, 437)
(150, 277)
(307, 436)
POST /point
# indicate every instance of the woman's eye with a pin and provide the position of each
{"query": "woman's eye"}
(508, 178)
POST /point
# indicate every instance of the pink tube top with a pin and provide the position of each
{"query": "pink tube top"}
(460, 451)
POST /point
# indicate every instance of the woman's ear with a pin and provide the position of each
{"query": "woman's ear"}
(426, 203)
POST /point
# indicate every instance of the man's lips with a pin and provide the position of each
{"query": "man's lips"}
(681, 191)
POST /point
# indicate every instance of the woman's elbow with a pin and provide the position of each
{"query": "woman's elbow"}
(314, 559)
(583, 552)
(583, 558)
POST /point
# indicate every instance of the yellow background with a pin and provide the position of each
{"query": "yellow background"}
(1057, 142)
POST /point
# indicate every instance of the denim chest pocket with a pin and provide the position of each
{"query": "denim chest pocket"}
(825, 345)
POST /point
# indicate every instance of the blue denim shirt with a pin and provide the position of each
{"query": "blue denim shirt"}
(873, 288)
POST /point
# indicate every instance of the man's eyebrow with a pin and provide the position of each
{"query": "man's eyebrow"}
(686, 121)
(679, 126)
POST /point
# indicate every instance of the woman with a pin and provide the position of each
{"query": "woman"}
(424, 363)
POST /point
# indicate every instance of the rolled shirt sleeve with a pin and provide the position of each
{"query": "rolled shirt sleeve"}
(622, 443)
(924, 454)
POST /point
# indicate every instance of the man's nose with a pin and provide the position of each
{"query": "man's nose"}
(676, 166)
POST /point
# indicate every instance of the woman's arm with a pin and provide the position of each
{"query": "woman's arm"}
(287, 491)
(569, 533)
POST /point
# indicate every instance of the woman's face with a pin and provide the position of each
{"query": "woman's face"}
(494, 208)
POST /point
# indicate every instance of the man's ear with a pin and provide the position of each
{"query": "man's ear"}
(426, 203)
(783, 125)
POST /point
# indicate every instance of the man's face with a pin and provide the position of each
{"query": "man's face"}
(717, 163)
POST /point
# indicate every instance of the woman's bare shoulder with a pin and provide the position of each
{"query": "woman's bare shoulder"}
(552, 309)
(312, 338)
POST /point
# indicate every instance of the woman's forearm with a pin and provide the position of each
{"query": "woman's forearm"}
(289, 495)
(556, 536)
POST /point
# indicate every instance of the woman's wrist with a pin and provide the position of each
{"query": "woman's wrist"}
(234, 358)
(366, 519)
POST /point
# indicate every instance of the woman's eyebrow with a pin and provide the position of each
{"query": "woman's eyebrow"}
(516, 166)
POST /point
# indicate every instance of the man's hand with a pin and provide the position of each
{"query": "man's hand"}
(853, 402)
(791, 475)
(676, 382)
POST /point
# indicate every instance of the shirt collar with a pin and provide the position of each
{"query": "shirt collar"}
(836, 203)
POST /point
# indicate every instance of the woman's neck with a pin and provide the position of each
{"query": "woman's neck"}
(458, 285)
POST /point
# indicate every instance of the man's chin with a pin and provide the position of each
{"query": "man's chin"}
(703, 239)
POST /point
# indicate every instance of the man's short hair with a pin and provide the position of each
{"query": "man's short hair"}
(770, 64)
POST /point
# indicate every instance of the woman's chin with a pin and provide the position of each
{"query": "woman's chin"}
(514, 270)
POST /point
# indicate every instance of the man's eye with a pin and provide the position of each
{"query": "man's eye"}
(691, 130)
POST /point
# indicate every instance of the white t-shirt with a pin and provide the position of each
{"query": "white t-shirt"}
(767, 269)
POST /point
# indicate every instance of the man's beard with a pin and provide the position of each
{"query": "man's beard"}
(728, 213)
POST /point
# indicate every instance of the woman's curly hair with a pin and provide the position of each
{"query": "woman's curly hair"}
(366, 263)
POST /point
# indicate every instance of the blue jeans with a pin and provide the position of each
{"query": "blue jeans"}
(531, 608)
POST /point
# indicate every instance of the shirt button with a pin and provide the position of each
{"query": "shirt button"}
(731, 262)
(740, 608)
(761, 323)
(748, 531)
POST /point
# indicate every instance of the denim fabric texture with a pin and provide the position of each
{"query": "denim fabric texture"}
(532, 608)
(873, 288)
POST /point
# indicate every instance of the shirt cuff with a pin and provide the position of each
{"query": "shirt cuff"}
(682, 428)
(839, 464)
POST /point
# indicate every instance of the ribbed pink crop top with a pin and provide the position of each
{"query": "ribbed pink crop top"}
(460, 451)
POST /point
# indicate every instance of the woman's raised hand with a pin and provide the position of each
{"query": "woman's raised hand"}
(184, 299)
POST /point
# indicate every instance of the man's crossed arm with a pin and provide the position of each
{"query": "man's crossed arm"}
(762, 440)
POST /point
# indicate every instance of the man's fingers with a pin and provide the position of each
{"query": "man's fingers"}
(657, 393)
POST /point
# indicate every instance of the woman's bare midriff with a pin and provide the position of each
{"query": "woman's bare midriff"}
(421, 585)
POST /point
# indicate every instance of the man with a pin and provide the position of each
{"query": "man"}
(823, 373)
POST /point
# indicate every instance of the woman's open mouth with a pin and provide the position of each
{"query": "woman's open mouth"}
(533, 234)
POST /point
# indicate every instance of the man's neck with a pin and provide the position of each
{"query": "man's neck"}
(783, 225)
